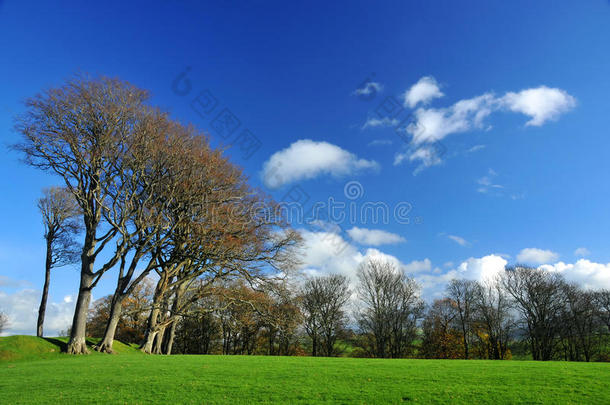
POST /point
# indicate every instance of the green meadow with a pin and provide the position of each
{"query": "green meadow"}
(34, 370)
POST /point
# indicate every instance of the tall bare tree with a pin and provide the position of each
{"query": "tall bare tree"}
(580, 322)
(492, 318)
(441, 338)
(81, 131)
(461, 292)
(538, 296)
(149, 177)
(602, 303)
(391, 307)
(59, 217)
(323, 305)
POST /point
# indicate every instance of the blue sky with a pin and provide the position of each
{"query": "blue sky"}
(518, 175)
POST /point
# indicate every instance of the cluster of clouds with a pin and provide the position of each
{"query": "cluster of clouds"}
(307, 159)
(323, 257)
(429, 125)
(330, 253)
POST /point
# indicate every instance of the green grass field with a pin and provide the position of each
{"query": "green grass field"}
(33, 370)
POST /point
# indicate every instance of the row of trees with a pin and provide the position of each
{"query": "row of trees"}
(523, 306)
(554, 318)
(146, 196)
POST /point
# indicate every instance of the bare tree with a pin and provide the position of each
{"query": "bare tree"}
(538, 296)
(59, 217)
(461, 292)
(323, 307)
(492, 318)
(602, 303)
(80, 131)
(391, 308)
(441, 338)
(580, 323)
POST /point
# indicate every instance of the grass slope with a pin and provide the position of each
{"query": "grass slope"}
(134, 378)
(20, 347)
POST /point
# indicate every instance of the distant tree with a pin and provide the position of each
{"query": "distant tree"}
(198, 330)
(323, 307)
(602, 303)
(580, 332)
(538, 297)
(461, 292)
(391, 307)
(282, 321)
(132, 322)
(441, 339)
(492, 319)
(323, 304)
(60, 214)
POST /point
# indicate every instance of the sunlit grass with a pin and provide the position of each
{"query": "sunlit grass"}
(131, 377)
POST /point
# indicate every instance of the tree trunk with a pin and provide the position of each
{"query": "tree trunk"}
(77, 343)
(147, 347)
(159, 342)
(116, 307)
(175, 310)
(465, 334)
(170, 338)
(150, 332)
(45, 288)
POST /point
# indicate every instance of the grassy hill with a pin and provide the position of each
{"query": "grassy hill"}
(33, 371)
(20, 347)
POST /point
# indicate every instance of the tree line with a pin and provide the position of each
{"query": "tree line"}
(202, 267)
(524, 311)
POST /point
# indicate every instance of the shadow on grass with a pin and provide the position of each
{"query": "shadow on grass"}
(57, 342)
(62, 343)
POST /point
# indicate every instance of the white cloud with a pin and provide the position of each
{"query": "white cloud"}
(368, 88)
(434, 124)
(536, 256)
(373, 122)
(424, 91)
(21, 308)
(486, 183)
(374, 237)
(459, 240)
(418, 266)
(582, 251)
(475, 148)
(541, 104)
(584, 272)
(426, 155)
(306, 159)
(481, 269)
